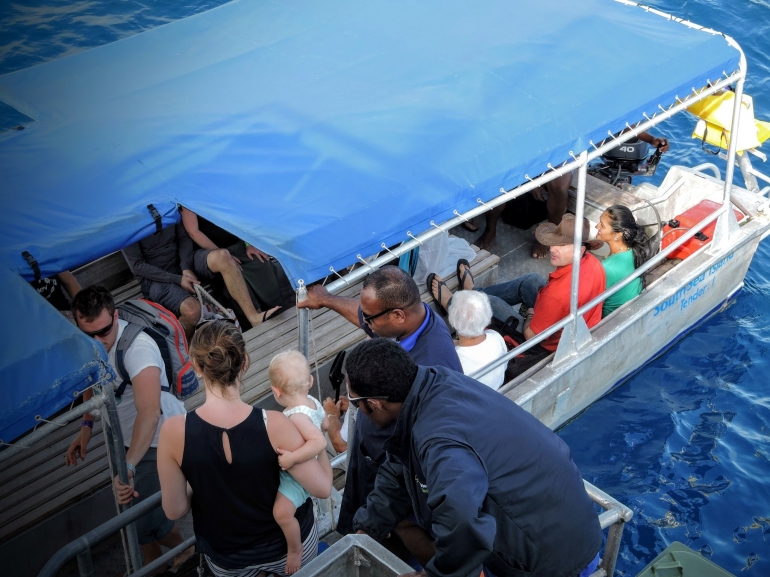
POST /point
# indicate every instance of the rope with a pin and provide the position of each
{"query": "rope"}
(202, 294)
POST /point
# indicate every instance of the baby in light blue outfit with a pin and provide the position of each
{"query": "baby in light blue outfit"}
(291, 380)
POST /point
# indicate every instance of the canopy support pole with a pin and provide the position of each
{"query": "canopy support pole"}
(727, 225)
(303, 320)
(576, 334)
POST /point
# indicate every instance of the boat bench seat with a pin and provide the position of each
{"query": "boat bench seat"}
(112, 272)
(601, 195)
(35, 484)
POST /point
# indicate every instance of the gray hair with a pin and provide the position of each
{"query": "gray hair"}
(470, 313)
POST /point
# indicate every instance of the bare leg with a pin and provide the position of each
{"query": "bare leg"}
(417, 540)
(150, 552)
(283, 512)
(189, 315)
(556, 204)
(222, 262)
(490, 232)
(174, 538)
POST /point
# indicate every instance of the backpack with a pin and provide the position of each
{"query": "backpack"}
(167, 332)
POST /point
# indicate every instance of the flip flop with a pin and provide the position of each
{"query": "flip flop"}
(275, 312)
(437, 301)
(465, 275)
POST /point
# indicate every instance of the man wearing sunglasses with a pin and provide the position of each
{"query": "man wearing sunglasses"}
(142, 407)
(390, 307)
(495, 488)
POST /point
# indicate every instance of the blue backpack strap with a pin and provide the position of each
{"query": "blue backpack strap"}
(124, 343)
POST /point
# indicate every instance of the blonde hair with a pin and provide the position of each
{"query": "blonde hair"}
(289, 372)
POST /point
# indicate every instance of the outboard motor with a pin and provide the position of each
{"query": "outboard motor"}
(620, 164)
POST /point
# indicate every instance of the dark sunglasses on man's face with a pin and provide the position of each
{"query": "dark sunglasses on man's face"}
(101, 332)
(355, 400)
(369, 318)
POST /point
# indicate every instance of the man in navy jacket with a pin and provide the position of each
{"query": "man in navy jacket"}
(495, 487)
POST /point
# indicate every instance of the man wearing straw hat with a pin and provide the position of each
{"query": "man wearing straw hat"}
(553, 300)
(546, 302)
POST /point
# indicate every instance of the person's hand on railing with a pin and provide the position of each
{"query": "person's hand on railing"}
(124, 493)
(317, 296)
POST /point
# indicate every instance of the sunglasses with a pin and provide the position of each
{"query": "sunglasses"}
(355, 400)
(369, 318)
(101, 332)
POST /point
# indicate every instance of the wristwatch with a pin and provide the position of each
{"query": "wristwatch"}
(131, 468)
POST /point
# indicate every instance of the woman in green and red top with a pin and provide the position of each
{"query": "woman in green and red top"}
(630, 248)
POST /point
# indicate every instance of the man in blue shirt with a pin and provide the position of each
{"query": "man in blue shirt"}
(390, 307)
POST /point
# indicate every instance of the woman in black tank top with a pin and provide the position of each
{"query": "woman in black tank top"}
(225, 450)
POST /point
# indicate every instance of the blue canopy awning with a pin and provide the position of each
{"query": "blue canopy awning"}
(313, 130)
(44, 358)
(318, 130)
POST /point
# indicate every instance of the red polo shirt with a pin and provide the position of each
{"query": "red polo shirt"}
(552, 303)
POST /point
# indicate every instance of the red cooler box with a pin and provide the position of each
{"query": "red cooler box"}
(688, 219)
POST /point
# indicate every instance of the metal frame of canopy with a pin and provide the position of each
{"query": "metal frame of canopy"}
(576, 334)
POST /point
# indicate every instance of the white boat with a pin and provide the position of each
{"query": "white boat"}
(324, 133)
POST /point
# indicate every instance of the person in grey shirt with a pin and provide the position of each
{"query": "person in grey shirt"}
(169, 267)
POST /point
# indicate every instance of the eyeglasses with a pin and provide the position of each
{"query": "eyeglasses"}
(355, 400)
(369, 318)
(101, 332)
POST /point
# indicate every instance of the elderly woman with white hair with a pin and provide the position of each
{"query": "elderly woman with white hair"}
(470, 314)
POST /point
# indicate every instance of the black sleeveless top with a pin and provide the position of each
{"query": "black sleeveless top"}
(232, 503)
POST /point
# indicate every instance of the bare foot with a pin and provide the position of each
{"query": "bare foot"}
(440, 292)
(486, 239)
(184, 556)
(540, 251)
(262, 317)
(293, 561)
(470, 225)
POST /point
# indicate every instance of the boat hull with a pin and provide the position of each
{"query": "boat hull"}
(635, 334)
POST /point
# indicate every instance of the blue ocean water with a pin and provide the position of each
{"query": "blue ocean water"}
(685, 443)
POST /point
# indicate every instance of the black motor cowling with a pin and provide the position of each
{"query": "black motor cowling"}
(623, 162)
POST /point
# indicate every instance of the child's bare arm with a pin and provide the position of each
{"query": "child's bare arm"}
(315, 442)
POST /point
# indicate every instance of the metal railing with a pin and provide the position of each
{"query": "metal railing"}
(81, 548)
(614, 517)
(104, 402)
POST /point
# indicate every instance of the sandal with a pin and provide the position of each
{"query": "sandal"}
(276, 310)
(467, 273)
(429, 281)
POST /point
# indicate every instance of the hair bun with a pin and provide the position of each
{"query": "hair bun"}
(219, 351)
